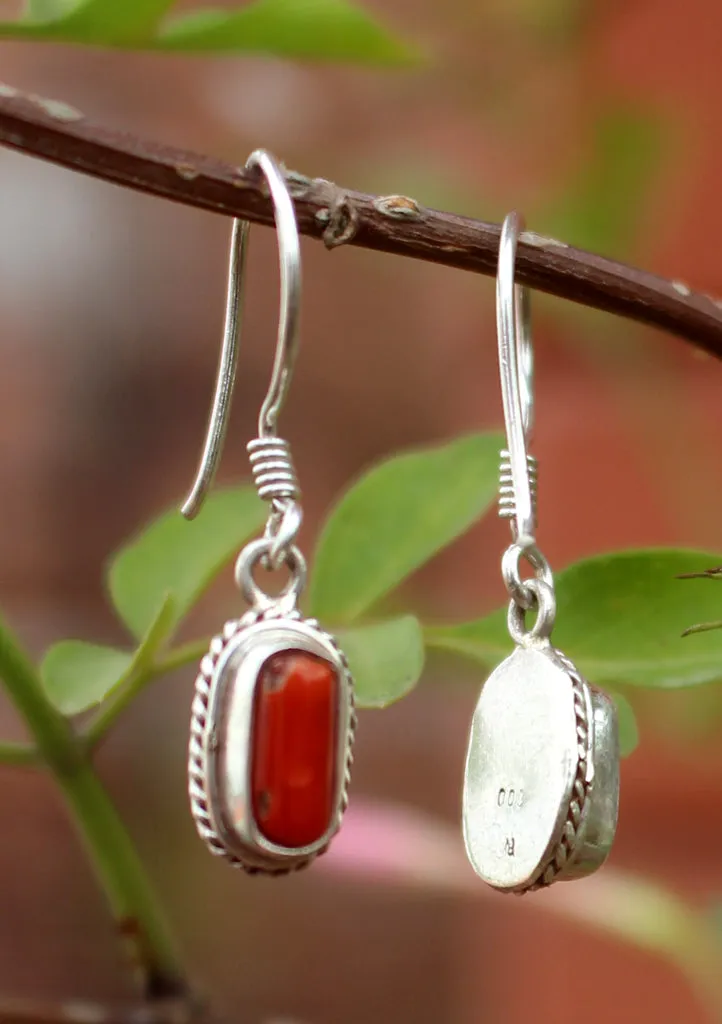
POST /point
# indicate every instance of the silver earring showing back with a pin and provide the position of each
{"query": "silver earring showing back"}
(541, 785)
(274, 696)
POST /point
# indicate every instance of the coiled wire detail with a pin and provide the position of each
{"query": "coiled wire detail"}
(507, 497)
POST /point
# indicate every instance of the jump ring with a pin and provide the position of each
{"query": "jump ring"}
(546, 607)
(520, 590)
(257, 552)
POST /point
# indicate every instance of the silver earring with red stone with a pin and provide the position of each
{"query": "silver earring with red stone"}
(273, 716)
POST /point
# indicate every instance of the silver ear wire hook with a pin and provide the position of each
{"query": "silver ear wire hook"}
(289, 257)
(516, 367)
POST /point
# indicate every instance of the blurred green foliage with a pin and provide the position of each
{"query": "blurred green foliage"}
(620, 617)
(320, 30)
(602, 204)
(395, 518)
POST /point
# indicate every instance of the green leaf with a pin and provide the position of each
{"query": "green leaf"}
(397, 517)
(602, 206)
(126, 23)
(386, 659)
(114, 22)
(628, 731)
(48, 10)
(180, 558)
(619, 618)
(307, 29)
(328, 30)
(77, 675)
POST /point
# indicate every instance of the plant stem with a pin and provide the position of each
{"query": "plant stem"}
(116, 704)
(17, 755)
(139, 919)
(181, 656)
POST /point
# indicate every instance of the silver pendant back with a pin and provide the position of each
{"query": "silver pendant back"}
(541, 787)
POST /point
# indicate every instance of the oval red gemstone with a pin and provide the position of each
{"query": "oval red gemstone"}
(294, 744)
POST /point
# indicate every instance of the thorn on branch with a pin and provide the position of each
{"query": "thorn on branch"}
(341, 219)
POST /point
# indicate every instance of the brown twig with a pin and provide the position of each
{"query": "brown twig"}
(27, 1011)
(396, 224)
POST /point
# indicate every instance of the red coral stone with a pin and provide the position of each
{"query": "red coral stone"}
(294, 748)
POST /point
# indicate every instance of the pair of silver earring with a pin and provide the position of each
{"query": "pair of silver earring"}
(273, 717)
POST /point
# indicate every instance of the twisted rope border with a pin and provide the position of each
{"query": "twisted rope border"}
(581, 786)
(199, 741)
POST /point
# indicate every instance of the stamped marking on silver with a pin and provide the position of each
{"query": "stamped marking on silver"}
(530, 798)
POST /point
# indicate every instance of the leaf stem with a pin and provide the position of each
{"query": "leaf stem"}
(183, 655)
(139, 918)
(118, 701)
(18, 755)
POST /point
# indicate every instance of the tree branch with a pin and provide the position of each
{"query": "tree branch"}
(25, 1011)
(54, 131)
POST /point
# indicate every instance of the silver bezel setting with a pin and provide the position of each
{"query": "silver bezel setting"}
(577, 811)
(222, 710)
(593, 810)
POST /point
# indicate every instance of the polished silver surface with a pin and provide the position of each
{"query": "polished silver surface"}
(273, 471)
(545, 607)
(289, 256)
(541, 785)
(507, 500)
(516, 369)
(518, 470)
(596, 834)
(252, 557)
(520, 591)
(542, 779)
(225, 380)
(276, 482)
(219, 762)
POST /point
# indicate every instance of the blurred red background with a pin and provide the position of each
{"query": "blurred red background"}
(111, 314)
